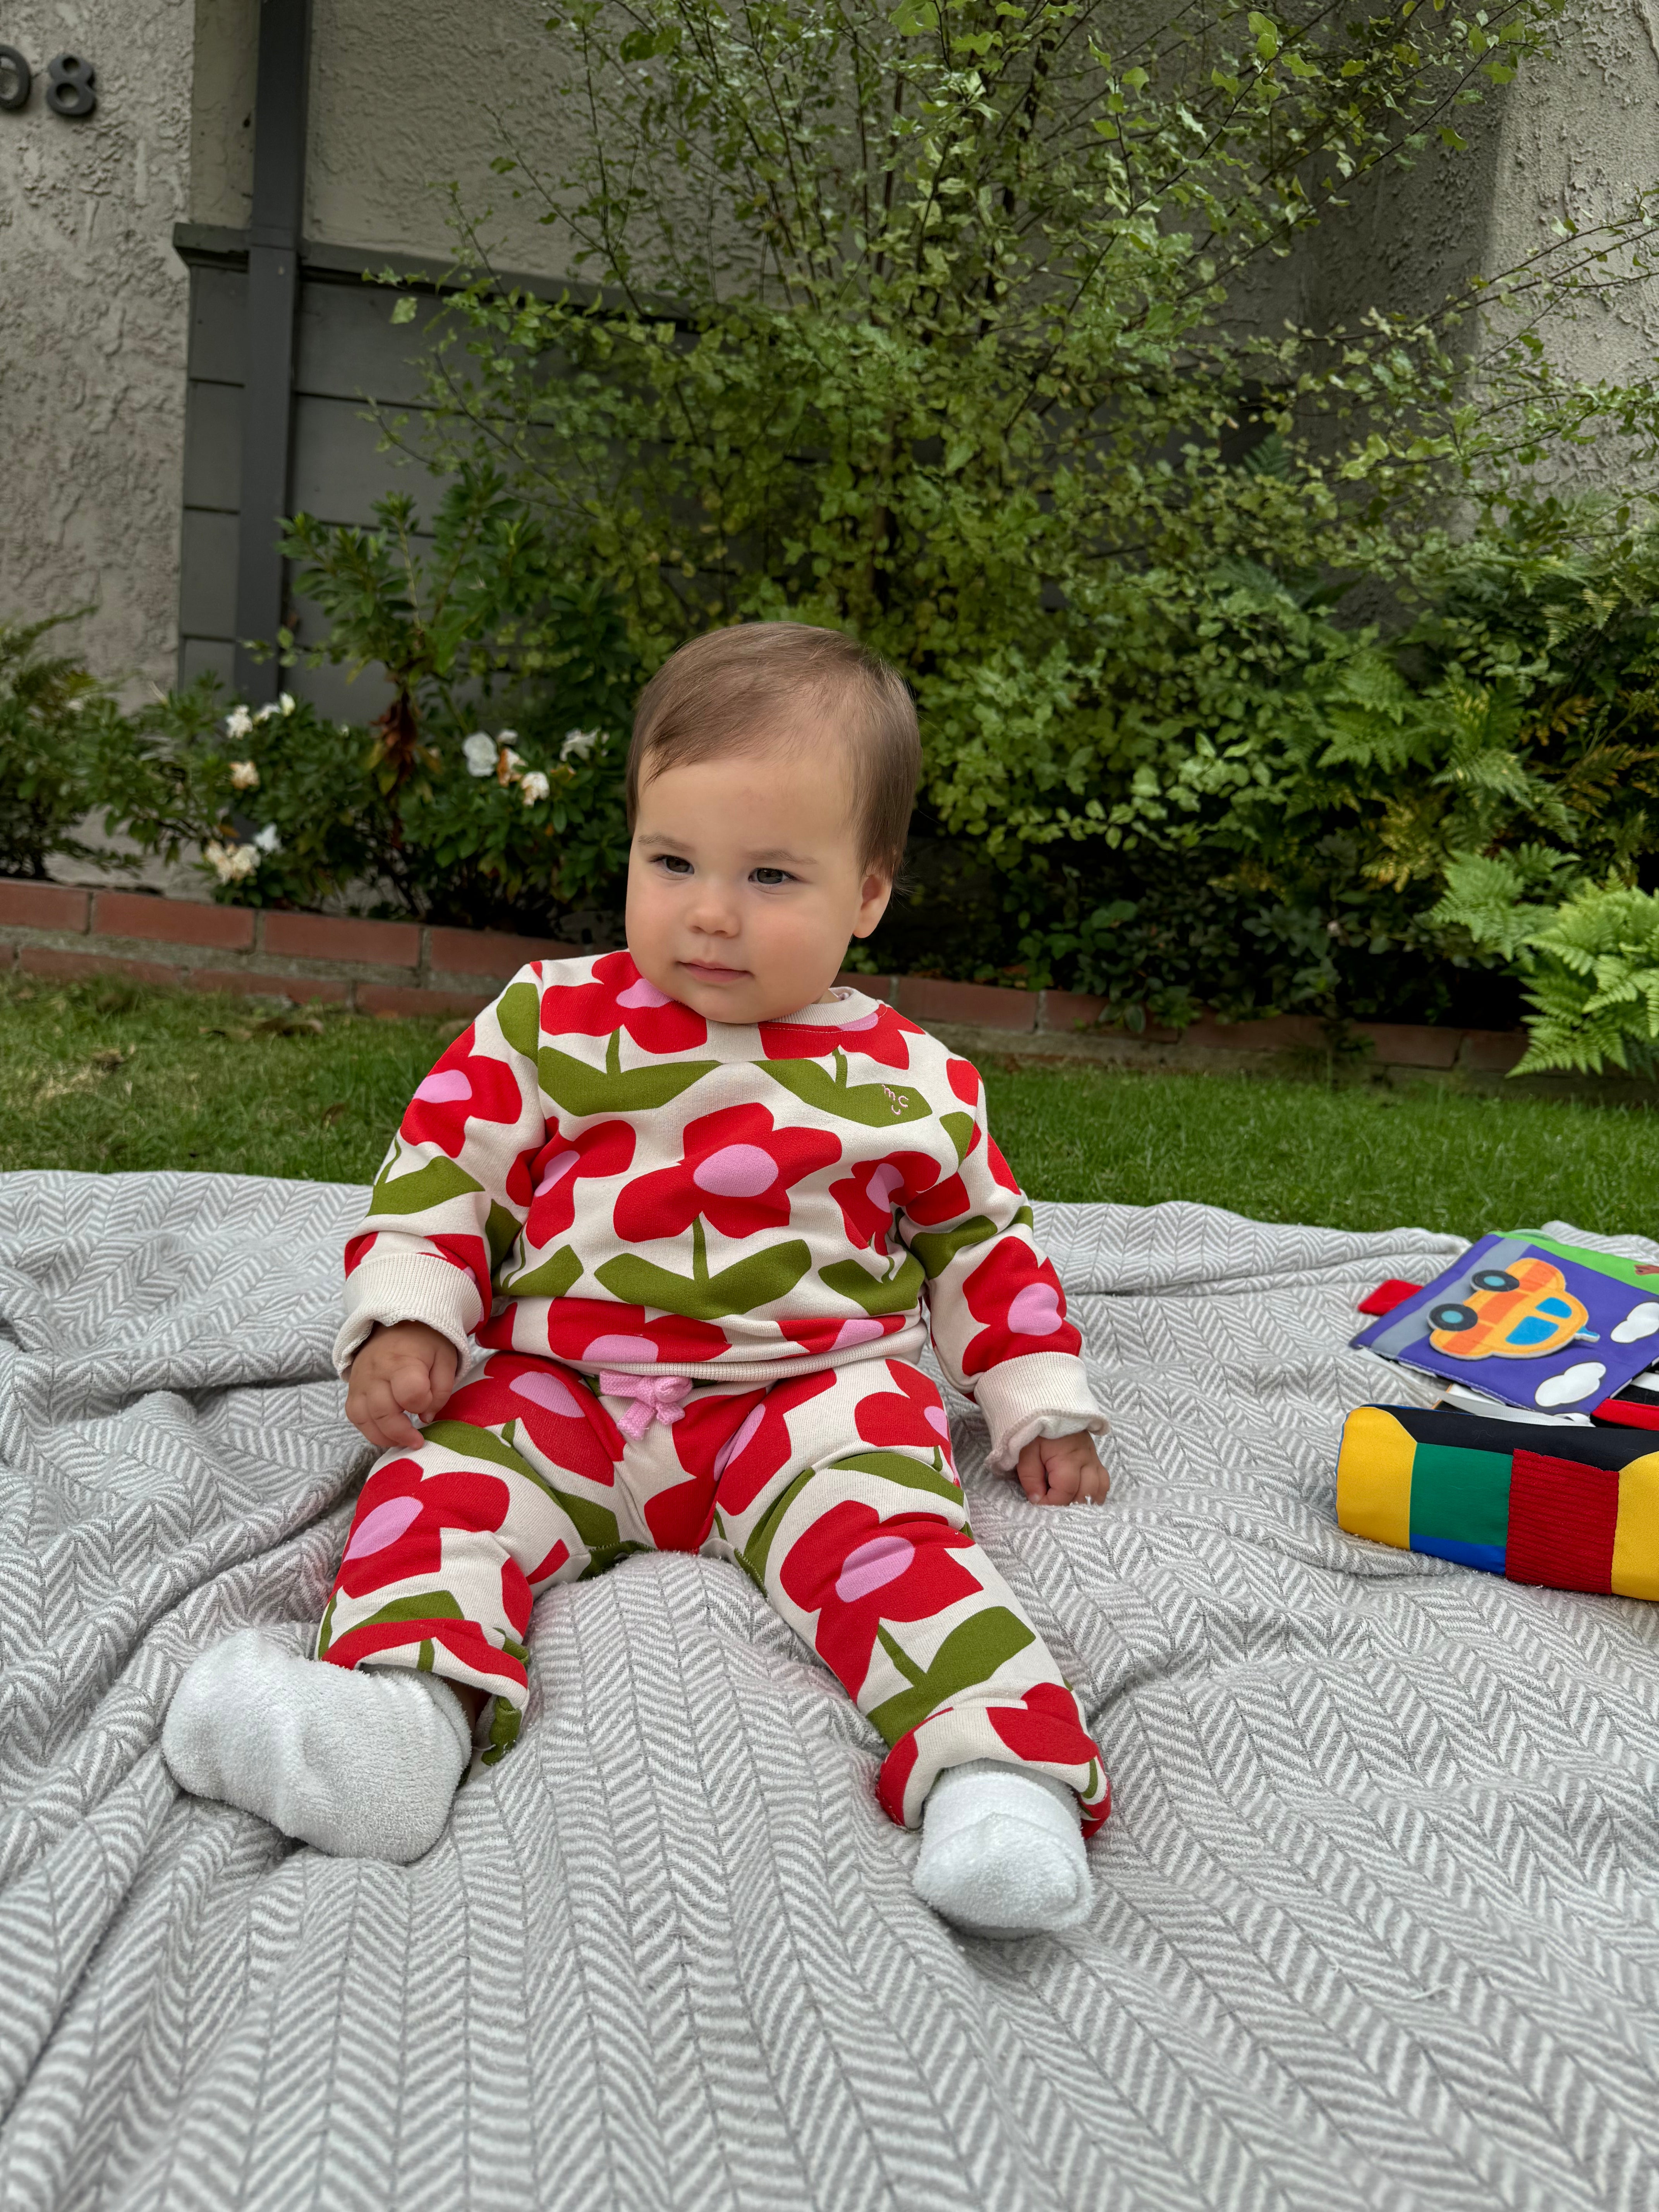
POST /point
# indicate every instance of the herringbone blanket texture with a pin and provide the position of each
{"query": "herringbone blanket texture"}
(1375, 1919)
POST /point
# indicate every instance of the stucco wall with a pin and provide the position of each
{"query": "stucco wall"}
(1577, 142)
(93, 303)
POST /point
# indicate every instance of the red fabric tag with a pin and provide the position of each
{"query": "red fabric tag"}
(1628, 1413)
(1387, 1295)
(1562, 1518)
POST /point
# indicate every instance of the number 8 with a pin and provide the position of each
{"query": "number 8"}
(69, 82)
(17, 79)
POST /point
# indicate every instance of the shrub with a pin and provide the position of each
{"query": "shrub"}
(957, 362)
(52, 711)
(424, 812)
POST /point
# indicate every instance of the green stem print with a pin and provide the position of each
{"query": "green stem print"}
(936, 1249)
(970, 1657)
(899, 1467)
(895, 1290)
(756, 1282)
(874, 1105)
(435, 1184)
(579, 1088)
(959, 1128)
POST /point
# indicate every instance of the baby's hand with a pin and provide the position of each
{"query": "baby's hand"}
(1062, 1471)
(404, 1369)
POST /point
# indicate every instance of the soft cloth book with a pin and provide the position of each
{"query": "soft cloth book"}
(1577, 1509)
(1529, 1320)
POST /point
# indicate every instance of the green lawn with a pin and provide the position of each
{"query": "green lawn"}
(107, 1076)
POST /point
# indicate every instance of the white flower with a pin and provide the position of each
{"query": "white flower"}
(511, 766)
(238, 722)
(535, 787)
(265, 712)
(579, 742)
(268, 840)
(285, 701)
(245, 775)
(230, 863)
(480, 751)
(506, 737)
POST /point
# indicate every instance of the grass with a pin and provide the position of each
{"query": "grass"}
(109, 1076)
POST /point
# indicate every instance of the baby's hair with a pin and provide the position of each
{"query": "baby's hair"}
(735, 690)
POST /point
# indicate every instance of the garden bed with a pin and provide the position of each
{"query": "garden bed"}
(408, 968)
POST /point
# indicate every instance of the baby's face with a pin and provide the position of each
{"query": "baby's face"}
(744, 882)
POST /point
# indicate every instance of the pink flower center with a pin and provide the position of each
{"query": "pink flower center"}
(641, 995)
(937, 1421)
(546, 1390)
(1035, 1311)
(736, 1171)
(856, 1332)
(872, 1566)
(555, 1170)
(620, 1351)
(444, 1086)
(739, 1441)
(884, 1184)
(382, 1527)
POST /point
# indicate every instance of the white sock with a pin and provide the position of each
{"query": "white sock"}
(1002, 1851)
(363, 1765)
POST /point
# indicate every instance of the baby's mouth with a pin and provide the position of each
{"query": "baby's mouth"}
(709, 971)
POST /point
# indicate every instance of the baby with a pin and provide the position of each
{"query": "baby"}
(648, 1263)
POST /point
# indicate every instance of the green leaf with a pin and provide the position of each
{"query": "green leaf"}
(875, 1294)
(899, 1467)
(936, 1249)
(551, 1278)
(582, 1089)
(435, 1184)
(500, 1233)
(970, 1654)
(473, 1442)
(518, 1012)
(872, 1105)
(959, 1128)
(756, 1282)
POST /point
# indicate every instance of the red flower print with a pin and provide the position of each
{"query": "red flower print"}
(879, 1036)
(599, 1333)
(554, 1408)
(604, 1150)
(1000, 1170)
(619, 998)
(964, 1080)
(1018, 1297)
(916, 1417)
(866, 1197)
(756, 1442)
(1046, 1727)
(397, 1528)
(946, 1201)
(817, 1336)
(464, 1086)
(856, 1570)
(736, 1171)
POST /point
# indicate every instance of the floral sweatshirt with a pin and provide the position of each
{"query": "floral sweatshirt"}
(594, 1173)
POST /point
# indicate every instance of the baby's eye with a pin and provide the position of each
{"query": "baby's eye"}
(769, 877)
(675, 864)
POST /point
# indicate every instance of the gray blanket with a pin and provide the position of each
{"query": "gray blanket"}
(1375, 1914)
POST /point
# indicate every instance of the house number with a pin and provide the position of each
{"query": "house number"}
(71, 83)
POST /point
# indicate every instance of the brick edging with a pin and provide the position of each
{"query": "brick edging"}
(394, 967)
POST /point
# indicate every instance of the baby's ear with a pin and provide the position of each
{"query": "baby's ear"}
(874, 893)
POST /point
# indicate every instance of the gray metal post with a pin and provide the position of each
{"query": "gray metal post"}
(273, 296)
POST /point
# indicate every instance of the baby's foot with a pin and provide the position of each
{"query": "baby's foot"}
(362, 1764)
(1002, 1851)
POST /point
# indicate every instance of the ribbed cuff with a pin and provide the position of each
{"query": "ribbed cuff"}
(1046, 1394)
(407, 1287)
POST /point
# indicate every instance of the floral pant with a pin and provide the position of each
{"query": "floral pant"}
(834, 1492)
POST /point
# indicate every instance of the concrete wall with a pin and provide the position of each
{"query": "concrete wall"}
(1577, 142)
(93, 309)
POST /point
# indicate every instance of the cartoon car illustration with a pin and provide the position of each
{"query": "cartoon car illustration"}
(1523, 1311)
